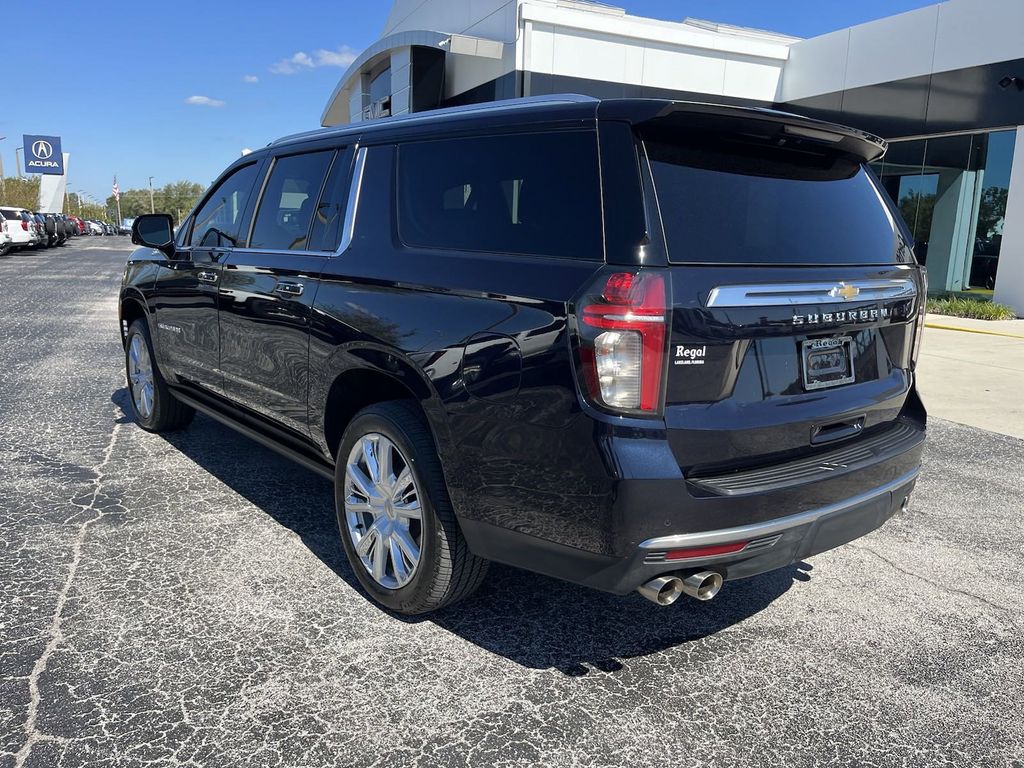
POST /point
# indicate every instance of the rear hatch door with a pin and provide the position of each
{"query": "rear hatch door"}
(795, 295)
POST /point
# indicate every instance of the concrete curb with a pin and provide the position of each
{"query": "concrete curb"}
(973, 330)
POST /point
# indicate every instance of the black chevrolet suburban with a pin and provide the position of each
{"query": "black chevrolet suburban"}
(634, 344)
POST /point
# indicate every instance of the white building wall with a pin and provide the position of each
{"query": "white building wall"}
(464, 72)
(571, 39)
(971, 32)
(494, 19)
(614, 47)
(938, 38)
(1010, 278)
(52, 189)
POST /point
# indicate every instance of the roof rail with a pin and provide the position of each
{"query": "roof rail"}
(468, 109)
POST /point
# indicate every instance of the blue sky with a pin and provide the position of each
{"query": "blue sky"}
(117, 86)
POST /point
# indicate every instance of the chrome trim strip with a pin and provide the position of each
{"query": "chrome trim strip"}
(789, 294)
(349, 226)
(631, 318)
(757, 530)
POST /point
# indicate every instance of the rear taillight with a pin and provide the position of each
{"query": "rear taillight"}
(622, 327)
(24, 224)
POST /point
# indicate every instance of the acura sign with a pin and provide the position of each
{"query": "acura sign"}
(43, 155)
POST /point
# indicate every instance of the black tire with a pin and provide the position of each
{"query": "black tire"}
(5, 249)
(447, 571)
(167, 414)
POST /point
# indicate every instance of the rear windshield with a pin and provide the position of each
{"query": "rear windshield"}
(728, 203)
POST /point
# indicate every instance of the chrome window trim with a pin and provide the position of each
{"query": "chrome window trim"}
(793, 294)
(321, 254)
(352, 207)
(758, 530)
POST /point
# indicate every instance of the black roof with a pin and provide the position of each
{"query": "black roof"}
(717, 118)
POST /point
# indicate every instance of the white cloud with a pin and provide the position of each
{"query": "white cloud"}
(321, 57)
(250, 79)
(295, 64)
(204, 101)
(339, 58)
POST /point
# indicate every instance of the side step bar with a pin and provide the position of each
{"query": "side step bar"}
(322, 468)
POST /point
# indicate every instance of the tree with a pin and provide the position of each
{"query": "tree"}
(176, 199)
(991, 211)
(917, 209)
(20, 193)
(76, 206)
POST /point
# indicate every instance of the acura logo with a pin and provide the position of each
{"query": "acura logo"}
(42, 150)
(845, 292)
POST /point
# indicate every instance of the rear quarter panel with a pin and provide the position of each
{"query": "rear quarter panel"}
(483, 339)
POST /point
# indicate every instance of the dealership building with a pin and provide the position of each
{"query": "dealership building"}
(943, 84)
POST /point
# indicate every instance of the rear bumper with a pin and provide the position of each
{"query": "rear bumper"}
(776, 543)
(782, 513)
(772, 544)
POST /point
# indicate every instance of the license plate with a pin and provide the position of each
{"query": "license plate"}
(827, 362)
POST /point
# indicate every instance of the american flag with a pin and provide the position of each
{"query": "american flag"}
(117, 190)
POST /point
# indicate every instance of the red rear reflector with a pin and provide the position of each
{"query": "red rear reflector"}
(717, 549)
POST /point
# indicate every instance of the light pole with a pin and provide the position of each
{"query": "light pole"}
(3, 185)
(152, 208)
(17, 160)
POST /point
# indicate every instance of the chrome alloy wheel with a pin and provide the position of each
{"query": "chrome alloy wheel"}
(140, 376)
(382, 510)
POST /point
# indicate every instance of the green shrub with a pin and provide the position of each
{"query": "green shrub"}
(962, 306)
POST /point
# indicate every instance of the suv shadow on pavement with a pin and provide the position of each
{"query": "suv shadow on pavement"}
(532, 620)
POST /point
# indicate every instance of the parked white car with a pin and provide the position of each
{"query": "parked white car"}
(5, 239)
(20, 226)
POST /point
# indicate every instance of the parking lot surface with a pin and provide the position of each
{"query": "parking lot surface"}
(184, 600)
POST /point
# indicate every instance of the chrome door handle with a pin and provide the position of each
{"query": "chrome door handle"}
(290, 289)
(207, 277)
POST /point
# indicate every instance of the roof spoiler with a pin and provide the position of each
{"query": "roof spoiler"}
(768, 124)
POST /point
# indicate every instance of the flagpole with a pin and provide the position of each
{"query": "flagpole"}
(117, 196)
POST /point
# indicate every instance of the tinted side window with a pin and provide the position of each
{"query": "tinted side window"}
(286, 210)
(181, 233)
(533, 194)
(217, 222)
(330, 211)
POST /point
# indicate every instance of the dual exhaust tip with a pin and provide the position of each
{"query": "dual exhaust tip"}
(665, 590)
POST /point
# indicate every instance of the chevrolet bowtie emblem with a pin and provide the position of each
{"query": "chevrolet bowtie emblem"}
(845, 292)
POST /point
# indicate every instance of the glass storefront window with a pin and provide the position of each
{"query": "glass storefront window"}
(997, 150)
(916, 202)
(951, 191)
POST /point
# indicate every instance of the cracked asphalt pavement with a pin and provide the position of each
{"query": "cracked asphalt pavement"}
(184, 601)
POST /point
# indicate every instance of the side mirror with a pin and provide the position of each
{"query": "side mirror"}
(154, 230)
